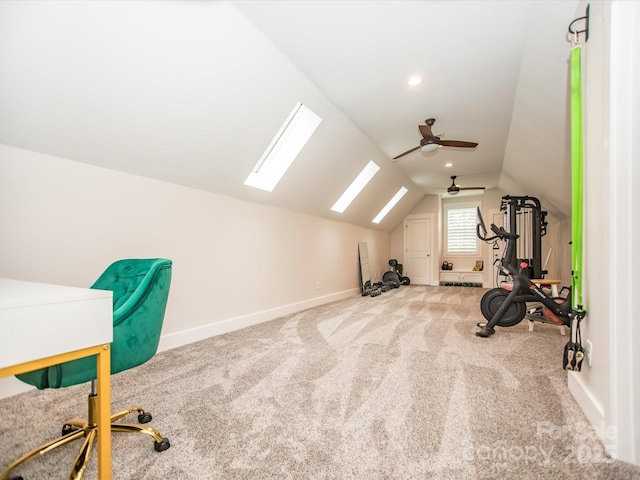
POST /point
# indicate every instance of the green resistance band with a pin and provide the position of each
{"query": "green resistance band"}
(576, 176)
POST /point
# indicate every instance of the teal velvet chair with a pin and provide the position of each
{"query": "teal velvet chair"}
(140, 290)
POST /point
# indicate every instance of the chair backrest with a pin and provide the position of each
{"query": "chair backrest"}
(140, 290)
(123, 278)
(131, 280)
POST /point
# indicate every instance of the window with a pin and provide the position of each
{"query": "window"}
(284, 148)
(356, 187)
(460, 234)
(392, 203)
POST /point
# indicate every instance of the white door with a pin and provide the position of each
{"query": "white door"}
(417, 256)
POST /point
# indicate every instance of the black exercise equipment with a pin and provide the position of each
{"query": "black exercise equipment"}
(507, 307)
(525, 217)
(394, 276)
(390, 279)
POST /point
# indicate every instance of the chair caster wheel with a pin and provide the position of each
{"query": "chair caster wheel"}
(66, 430)
(144, 417)
(162, 446)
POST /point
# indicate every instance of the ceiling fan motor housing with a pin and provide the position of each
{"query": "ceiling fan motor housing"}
(432, 141)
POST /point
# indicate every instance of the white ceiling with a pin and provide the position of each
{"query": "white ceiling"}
(192, 92)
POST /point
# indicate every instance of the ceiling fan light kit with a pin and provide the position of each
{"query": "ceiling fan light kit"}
(455, 189)
(431, 143)
(429, 147)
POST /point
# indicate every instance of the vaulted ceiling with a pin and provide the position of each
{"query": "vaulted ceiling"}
(192, 92)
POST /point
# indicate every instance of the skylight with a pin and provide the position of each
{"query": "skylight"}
(356, 187)
(392, 203)
(284, 148)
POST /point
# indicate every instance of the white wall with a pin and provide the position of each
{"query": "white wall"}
(624, 229)
(608, 391)
(235, 263)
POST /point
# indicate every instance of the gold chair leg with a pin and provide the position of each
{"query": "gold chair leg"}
(128, 428)
(42, 449)
(77, 422)
(117, 416)
(87, 429)
(82, 458)
(160, 444)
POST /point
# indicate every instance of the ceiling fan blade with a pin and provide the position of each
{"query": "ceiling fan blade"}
(407, 152)
(425, 131)
(472, 188)
(457, 143)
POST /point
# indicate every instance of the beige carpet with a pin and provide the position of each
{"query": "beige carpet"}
(391, 387)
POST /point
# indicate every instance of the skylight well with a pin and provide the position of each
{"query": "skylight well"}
(284, 148)
(356, 187)
(392, 203)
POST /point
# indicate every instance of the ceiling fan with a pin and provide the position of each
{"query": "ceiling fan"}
(431, 142)
(455, 189)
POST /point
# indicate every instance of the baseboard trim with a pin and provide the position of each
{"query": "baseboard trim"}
(591, 407)
(185, 337)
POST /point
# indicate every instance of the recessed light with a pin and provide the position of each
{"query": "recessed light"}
(415, 80)
(448, 165)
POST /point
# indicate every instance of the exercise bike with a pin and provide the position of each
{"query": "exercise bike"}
(506, 308)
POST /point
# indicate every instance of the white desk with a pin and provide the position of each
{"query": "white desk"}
(43, 325)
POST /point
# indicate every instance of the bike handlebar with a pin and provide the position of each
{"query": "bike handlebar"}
(502, 233)
(499, 233)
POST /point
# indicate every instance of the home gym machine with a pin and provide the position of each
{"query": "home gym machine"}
(524, 216)
(507, 307)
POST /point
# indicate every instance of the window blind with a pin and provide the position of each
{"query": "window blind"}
(461, 231)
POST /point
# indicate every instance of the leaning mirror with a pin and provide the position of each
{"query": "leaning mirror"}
(365, 274)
